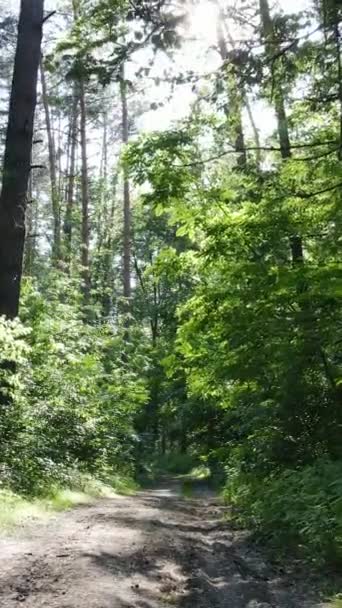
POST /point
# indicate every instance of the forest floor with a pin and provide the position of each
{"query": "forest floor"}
(152, 550)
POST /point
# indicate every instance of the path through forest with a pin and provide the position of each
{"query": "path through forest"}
(152, 550)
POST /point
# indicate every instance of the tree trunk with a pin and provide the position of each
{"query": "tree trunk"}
(243, 93)
(29, 249)
(55, 202)
(67, 227)
(17, 159)
(234, 110)
(85, 231)
(273, 49)
(127, 292)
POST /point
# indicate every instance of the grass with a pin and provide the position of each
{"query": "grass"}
(335, 603)
(16, 510)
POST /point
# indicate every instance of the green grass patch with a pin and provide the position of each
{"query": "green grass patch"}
(336, 602)
(16, 510)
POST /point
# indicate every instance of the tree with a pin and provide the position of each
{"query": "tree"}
(127, 290)
(55, 195)
(17, 160)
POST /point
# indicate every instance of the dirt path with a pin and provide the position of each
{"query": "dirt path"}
(148, 551)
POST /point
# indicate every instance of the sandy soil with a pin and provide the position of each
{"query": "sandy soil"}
(152, 550)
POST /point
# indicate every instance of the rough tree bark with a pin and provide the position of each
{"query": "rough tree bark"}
(17, 159)
(56, 212)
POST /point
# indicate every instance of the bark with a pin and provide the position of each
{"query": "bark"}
(56, 212)
(244, 96)
(28, 251)
(273, 50)
(17, 159)
(70, 195)
(85, 231)
(255, 132)
(104, 155)
(337, 39)
(234, 111)
(127, 291)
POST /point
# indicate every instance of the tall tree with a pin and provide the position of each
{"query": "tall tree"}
(234, 106)
(273, 51)
(85, 229)
(56, 245)
(71, 164)
(127, 288)
(17, 160)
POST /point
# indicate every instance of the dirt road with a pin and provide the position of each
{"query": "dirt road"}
(152, 550)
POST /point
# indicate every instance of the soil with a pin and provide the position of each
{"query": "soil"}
(152, 550)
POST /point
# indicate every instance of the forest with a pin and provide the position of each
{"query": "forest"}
(170, 242)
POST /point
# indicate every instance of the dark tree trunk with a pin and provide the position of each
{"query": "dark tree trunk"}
(17, 159)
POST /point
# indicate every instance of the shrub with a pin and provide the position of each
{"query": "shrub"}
(301, 508)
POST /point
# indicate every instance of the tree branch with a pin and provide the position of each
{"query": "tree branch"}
(48, 16)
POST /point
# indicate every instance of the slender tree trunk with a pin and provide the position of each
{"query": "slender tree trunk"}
(255, 131)
(127, 291)
(17, 159)
(56, 212)
(104, 155)
(70, 195)
(85, 230)
(244, 95)
(337, 39)
(272, 49)
(234, 111)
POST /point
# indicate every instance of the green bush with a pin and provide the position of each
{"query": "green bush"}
(301, 508)
(68, 403)
(176, 464)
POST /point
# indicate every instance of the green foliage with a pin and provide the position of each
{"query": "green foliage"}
(300, 507)
(255, 343)
(228, 355)
(175, 464)
(73, 404)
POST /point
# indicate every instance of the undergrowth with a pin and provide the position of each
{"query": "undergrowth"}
(16, 509)
(298, 509)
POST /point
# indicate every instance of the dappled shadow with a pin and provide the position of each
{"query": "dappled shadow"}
(182, 565)
(150, 551)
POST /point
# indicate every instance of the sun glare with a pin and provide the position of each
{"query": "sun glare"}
(203, 21)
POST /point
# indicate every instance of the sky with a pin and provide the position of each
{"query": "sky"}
(193, 56)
